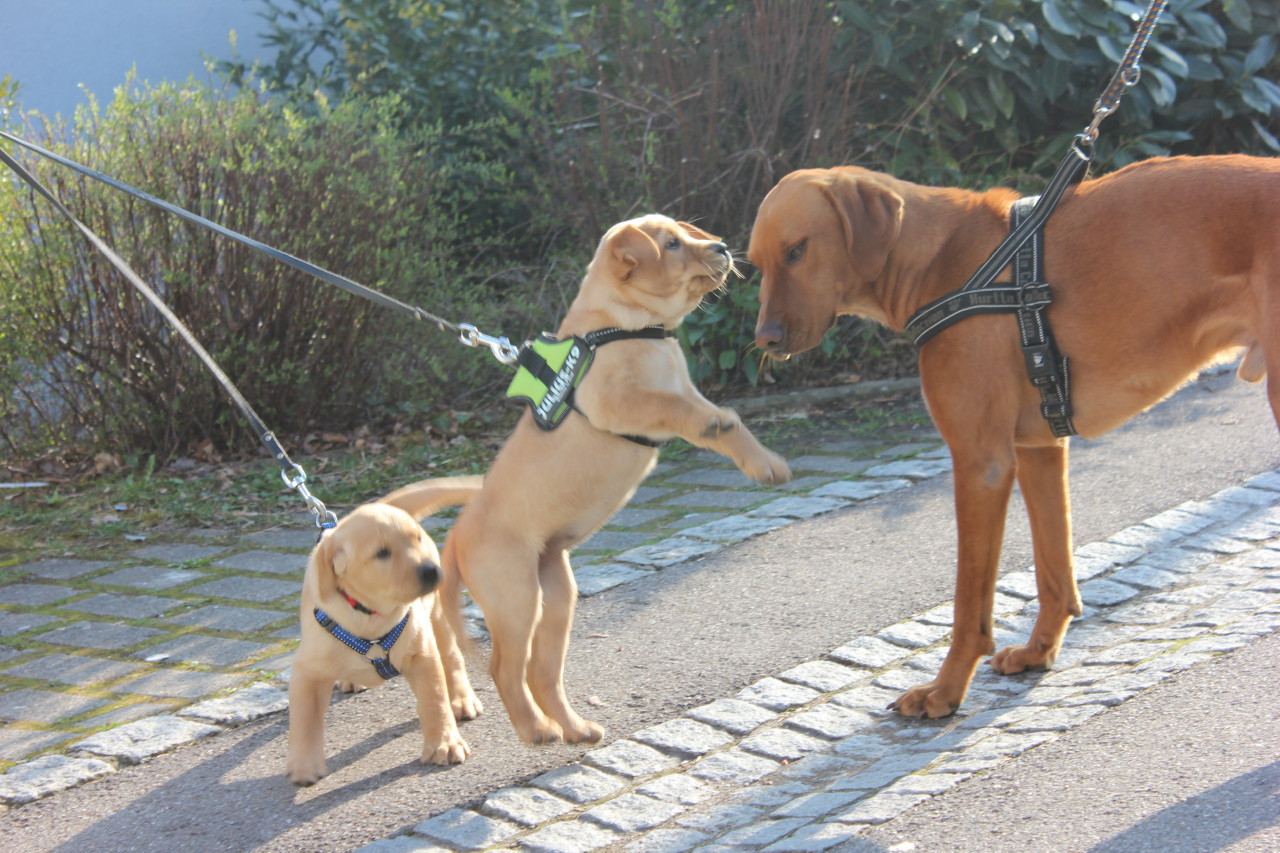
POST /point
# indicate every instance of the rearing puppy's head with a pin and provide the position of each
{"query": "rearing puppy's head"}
(654, 270)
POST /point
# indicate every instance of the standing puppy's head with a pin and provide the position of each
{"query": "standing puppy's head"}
(379, 556)
(821, 237)
(653, 271)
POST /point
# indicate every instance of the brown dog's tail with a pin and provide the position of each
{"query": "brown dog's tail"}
(424, 498)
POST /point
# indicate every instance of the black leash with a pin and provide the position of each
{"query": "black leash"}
(292, 473)
(1029, 295)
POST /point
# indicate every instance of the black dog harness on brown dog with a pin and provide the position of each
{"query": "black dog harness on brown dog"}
(1027, 296)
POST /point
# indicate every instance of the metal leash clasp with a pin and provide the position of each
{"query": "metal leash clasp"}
(503, 350)
(324, 517)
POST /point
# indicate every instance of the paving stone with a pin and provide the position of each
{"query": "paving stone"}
(127, 714)
(1146, 577)
(1111, 551)
(1218, 544)
(254, 701)
(47, 775)
(798, 507)
(224, 617)
(574, 836)
(579, 784)
(133, 742)
(467, 830)
(124, 606)
(616, 540)
(1145, 613)
(813, 770)
(823, 676)
(37, 594)
(1102, 593)
(633, 813)
(630, 759)
(1214, 509)
(733, 767)
(1010, 745)
(817, 804)
(859, 490)
(816, 837)
(764, 832)
(667, 841)
(1056, 719)
(1179, 521)
(1145, 536)
(273, 562)
(832, 721)
(930, 661)
(871, 652)
(669, 552)
(1019, 584)
(209, 651)
(73, 670)
(526, 806)
(735, 528)
(649, 494)
(866, 698)
(181, 684)
(1269, 480)
(151, 577)
(805, 485)
(723, 500)
(12, 624)
(403, 844)
(261, 590)
(108, 636)
(777, 695)
(1246, 496)
(783, 744)
(719, 477)
(684, 735)
(1260, 559)
(298, 538)
(595, 579)
(912, 469)
(177, 552)
(61, 569)
(829, 464)
(733, 715)
(677, 788)
(913, 634)
(17, 744)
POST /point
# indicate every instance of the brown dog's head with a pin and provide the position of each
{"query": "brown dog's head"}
(654, 270)
(821, 237)
(380, 556)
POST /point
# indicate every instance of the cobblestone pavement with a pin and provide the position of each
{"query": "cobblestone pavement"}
(105, 662)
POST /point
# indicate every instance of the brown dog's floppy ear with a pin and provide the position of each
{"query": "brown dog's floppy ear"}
(872, 217)
(628, 248)
(697, 233)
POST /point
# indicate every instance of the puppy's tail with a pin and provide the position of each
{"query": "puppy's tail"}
(424, 498)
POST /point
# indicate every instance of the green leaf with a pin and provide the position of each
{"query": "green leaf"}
(728, 358)
(1263, 51)
(1061, 18)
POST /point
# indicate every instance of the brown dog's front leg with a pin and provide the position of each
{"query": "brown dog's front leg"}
(983, 484)
(1042, 476)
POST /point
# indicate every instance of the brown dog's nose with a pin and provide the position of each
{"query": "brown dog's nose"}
(428, 576)
(770, 336)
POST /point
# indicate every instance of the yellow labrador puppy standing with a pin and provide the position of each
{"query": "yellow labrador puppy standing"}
(550, 488)
(368, 614)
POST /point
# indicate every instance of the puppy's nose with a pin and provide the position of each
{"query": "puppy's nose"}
(770, 336)
(720, 248)
(428, 576)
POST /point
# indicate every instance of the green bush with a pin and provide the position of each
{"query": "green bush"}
(348, 188)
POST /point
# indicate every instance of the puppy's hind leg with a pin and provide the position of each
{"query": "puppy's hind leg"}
(1042, 476)
(503, 580)
(551, 645)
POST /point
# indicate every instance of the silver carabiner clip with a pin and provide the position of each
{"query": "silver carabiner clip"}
(502, 349)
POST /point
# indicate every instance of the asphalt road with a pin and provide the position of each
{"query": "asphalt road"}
(648, 651)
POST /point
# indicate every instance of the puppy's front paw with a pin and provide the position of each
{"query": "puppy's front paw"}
(305, 770)
(451, 749)
(466, 707)
(348, 687)
(768, 468)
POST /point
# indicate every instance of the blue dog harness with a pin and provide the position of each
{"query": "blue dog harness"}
(382, 664)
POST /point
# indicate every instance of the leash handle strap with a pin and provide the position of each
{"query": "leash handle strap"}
(284, 257)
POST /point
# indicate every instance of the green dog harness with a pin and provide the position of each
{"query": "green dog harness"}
(549, 371)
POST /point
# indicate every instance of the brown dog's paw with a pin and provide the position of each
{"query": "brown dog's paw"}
(305, 771)
(451, 749)
(930, 700)
(466, 707)
(1022, 658)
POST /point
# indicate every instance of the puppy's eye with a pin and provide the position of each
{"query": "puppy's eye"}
(383, 553)
(673, 244)
(797, 252)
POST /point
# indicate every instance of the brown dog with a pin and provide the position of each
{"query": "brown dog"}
(547, 491)
(375, 570)
(1156, 270)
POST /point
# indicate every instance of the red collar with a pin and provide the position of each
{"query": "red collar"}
(357, 605)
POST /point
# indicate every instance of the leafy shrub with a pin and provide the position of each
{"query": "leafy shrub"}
(348, 188)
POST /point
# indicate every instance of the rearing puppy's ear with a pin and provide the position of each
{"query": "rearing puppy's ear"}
(872, 217)
(628, 248)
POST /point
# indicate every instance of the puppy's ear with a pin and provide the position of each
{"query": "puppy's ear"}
(628, 248)
(697, 233)
(872, 217)
(323, 557)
